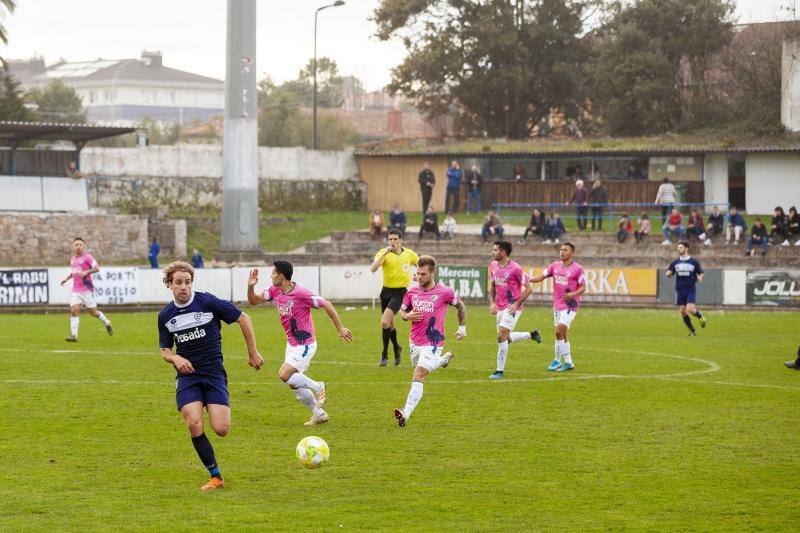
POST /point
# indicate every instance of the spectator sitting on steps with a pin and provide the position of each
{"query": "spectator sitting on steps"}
(758, 236)
(376, 224)
(794, 225)
(644, 228)
(554, 229)
(716, 222)
(673, 225)
(492, 226)
(695, 225)
(397, 219)
(736, 226)
(430, 224)
(535, 226)
(625, 228)
(779, 227)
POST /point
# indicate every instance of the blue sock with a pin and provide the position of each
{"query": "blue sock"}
(206, 453)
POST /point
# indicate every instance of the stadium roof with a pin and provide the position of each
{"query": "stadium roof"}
(16, 132)
(663, 145)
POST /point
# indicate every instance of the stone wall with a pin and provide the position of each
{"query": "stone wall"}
(171, 236)
(192, 194)
(46, 238)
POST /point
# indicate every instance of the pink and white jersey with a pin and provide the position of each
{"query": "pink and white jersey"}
(433, 303)
(295, 310)
(78, 264)
(565, 279)
(508, 282)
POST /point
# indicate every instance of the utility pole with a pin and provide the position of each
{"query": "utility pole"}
(240, 144)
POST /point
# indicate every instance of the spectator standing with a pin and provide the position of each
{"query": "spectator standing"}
(397, 219)
(758, 236)
(554, 229)
(197, 259)
(665, 197)
(599, 199)
(581, 200)
(794, 225)
(779, 227)
(454, 174)
(695, 225)
(519, 173)
(152, 255)
(673, 224)
(426, 182)
(624, 228)
(535, 226)
(430, 224)
(736, 225)
(376, 224)
(474, 184)
(715, 225)
(72, 171)
(492, 226)
(644, 228)
(449, 227)
(634, 173)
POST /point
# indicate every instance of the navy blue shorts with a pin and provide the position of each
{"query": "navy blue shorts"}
(686, 296)
(206, 388)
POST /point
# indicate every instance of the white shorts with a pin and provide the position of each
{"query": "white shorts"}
(86, 298)
(507, 320)
(300, 356)
(428, 357)
(564, 317)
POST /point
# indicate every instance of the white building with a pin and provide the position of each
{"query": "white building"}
(124, 92)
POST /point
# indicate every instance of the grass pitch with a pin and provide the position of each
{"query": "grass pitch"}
(653, 430)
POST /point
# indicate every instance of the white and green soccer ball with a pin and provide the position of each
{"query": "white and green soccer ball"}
(313, 452)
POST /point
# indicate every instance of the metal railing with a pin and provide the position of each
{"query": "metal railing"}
(609, 210)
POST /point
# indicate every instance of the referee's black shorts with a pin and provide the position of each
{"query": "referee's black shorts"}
(392, 298)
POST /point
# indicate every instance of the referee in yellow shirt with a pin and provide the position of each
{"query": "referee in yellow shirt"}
(396, 262)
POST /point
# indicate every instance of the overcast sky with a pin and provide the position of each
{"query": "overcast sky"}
(191, 33)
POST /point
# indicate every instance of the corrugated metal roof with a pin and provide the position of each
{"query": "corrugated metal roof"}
(57, 131)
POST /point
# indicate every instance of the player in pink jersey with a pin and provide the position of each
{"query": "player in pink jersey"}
(569, 282)
(509, 287)
(82, 266)
(294, 304)
(426, 306)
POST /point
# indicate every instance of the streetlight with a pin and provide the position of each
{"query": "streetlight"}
(337, 3)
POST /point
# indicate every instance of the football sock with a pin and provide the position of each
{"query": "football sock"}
(516, 336)
(502, 355)
(559, 350)
(567, 353)
(386, 334)
(698, 315)
(306, 397)
(206, 453)
(74, 321)
(414, 396)
(103, 318)
(301, 381)
(393, 338)
(688, 322)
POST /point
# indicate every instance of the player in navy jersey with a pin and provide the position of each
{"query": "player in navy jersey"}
(687, 272)
(191, 324)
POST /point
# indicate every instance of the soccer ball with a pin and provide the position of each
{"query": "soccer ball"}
(313, 452)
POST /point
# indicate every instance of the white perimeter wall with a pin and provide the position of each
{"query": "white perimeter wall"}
(772, 180)
(715, 179)
(205, 161)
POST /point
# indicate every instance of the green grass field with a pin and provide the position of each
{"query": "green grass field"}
(652, 431)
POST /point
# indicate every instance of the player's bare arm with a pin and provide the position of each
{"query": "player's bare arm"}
(522, 297)
(344, 333)
(413, 315)
(252, 281)
(183, 365)
(461, 313)
(700, 277)
(570, 295)
(255, 360)
(379, 260)
(538, 278)
(492, 294)
(669, 273)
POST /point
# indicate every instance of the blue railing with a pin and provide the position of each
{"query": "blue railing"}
(566, 211)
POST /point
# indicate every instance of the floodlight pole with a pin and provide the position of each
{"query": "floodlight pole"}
(314, 140)
(240, 143)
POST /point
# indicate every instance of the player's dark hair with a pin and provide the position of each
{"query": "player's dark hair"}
(504, 245)
(395, 231)
(284, 268)
(79, 239)
(426, 260)
(177, 266)
(684, 243)
(571, 246)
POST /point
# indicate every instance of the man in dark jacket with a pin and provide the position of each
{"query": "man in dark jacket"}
(474, 183)
(430, 223)
(581, 200)
(599, 199)
(758, 235)
(397, 219)
(426, 182)
(454, 174)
